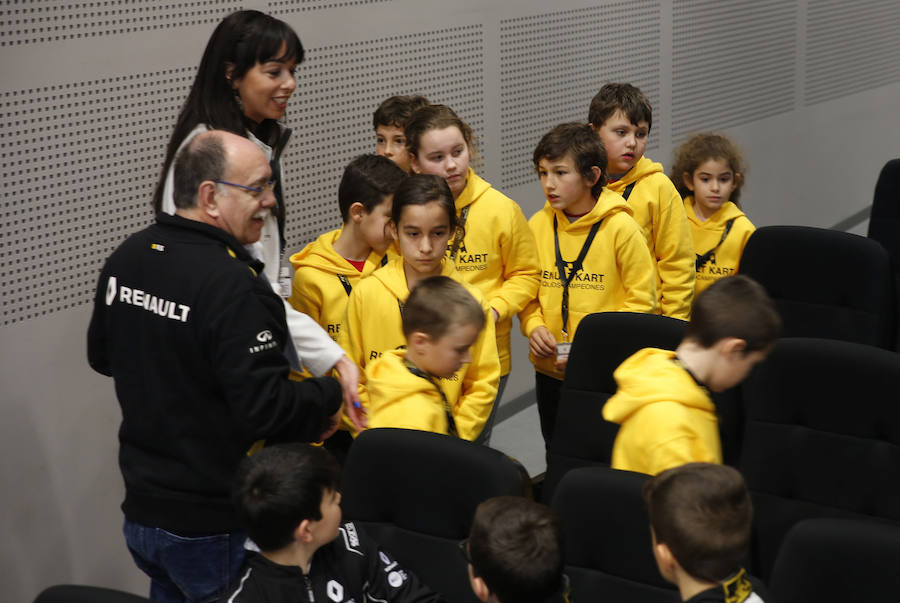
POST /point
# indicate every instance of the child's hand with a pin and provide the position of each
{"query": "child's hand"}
(496, 314)
(542, 343)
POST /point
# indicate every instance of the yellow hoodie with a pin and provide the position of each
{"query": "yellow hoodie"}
(397, 398)
(706, 235)
(374, 325)
(617, 274)
(666, 418)
(497, 255)
(317, 290)
(658, 209)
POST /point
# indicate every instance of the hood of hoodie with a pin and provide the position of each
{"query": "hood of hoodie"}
(643, 167)
(393, 277)
(727, 212)
(391, 380)
(650, 376)
(321, 254)
(475, 187)
(608, 203)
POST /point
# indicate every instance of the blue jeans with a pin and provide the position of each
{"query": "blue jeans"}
(185, 569)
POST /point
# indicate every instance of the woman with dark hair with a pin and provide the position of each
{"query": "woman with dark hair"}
(243, 84)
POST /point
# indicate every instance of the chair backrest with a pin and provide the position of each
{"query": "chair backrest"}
(582, 436)
(838, 560)
(416, 492)
(821, 438)
(607, 536)
(76, 593)
(825, 283)
(884, 223)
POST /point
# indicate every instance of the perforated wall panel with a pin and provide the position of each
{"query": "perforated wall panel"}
(39, 21)
(850, 47)
(340, 87)
(733, 62)
(552, 65)
(287, 7)
(80, 161)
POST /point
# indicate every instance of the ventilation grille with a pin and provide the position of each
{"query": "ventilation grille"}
(552, 65)
(287, 7)
(851, 47)
(733, 62)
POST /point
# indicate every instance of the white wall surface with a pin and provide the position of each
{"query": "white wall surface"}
(810, 90)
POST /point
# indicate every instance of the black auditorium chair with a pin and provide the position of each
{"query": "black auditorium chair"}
(607, 537)
(821, 438)
(416, 492)
(884, 223)
(825, 283)
(582, 436)
(836, 561)
(75, 593)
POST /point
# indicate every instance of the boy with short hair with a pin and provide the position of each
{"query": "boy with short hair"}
(328, 268)
(288, 501)
(663, 404)
(621, 115)
(441, 321)
(591, 253)
(515, 552)
(389, 121)
(700, 520)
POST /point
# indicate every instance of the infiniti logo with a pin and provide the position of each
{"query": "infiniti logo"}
(264, 336)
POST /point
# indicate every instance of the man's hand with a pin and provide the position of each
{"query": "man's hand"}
(542, 343)
(348, 375)
(333, 423)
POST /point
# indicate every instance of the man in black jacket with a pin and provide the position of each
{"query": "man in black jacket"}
(194, 338)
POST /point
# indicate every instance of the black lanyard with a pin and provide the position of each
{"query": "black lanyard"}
(460, 232)
(346, 283)
(702, 259)
(451, 424)
(564, 278)
(627, 192)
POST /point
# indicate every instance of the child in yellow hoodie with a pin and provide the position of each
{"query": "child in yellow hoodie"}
(496, 250)
(327, 269)
(592, 254)
(708, 172)
(622, 116)
(423, 220)
(663, 404)
(441, 322)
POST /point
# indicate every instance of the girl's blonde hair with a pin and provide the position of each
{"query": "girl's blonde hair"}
(703, 147)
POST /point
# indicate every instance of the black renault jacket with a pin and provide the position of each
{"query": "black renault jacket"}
(193, 336)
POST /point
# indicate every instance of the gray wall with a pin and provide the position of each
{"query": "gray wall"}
(811, 90)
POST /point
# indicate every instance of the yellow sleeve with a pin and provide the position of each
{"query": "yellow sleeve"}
(521, 271)
(305, 296)
(636, 272)
(350, 338)
(479, 386)
(674, 250)
(531, 317)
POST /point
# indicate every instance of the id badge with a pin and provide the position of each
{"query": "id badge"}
(562, 350)
(285, 281)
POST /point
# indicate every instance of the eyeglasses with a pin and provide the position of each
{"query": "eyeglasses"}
(270, 185)
(464, 550)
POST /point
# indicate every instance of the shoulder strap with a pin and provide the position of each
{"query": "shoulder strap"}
(460, 232)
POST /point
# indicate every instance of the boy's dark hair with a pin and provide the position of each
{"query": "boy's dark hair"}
(702, 512)
(620, 97)
(579, 142)
(280, 486)
(396, 110)
(368, 179)
(438, 302)
(516, 547)
(699, 149)
(203, 158)
(734, 306)
(420, 189)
